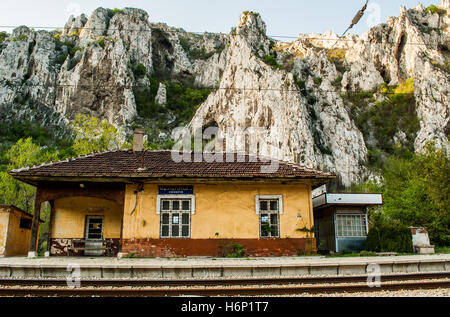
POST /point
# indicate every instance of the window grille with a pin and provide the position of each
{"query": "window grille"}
(175, 218)
(351, 225)
(269, 218)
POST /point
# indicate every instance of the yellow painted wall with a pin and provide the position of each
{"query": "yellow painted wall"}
(14, 241)
(18, 238)
(70, 217)
(227, 209)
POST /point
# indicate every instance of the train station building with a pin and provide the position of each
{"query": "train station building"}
(147, 204)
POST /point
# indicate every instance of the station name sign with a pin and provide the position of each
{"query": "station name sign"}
(176, 190)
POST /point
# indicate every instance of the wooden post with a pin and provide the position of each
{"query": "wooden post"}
(52, 216)
(35, 226)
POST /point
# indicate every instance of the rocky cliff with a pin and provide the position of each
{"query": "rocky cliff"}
(329, 103)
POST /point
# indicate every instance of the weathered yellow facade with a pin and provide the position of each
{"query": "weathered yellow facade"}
(70, 214)
(223, 211)
(14, 240)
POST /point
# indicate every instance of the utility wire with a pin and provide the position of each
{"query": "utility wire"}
(355, 21)
(299, 90)
(305, 38)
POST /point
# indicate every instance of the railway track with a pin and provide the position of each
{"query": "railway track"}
(221, 287)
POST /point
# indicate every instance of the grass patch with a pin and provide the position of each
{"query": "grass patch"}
(442, 250)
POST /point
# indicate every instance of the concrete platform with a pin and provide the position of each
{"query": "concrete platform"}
(111, 268)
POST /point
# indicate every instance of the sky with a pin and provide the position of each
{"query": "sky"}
(282, 17)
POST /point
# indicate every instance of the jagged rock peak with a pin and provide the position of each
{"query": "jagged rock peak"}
(251, 22)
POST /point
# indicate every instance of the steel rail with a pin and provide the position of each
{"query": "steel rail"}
(238, 291)
(221, 281)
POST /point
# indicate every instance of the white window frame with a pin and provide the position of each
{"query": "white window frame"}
(365, 226)
(273, 197)
(180, 212)
(191, 197)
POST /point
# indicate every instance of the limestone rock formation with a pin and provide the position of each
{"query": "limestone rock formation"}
(293, 96)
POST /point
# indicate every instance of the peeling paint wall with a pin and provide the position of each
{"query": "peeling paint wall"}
(18, 243)
(70, 217)
(4, 220)
(226, 209)
(14, 241)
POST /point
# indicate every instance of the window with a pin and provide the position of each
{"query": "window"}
(175, 218)
(269, 216)
(94, 227)
(351, 225)
(25, 223)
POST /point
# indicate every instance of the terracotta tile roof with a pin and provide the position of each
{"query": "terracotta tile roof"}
(159, 164)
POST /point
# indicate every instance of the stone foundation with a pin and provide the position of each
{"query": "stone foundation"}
(169, 248)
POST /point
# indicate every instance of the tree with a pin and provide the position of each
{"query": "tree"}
(22, 154)
(93, 135)
(417, 192)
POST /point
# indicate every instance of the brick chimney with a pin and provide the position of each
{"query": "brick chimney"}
(138, 140)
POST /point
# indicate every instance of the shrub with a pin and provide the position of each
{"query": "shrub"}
(317, 81)
(140, 70)
(232, 250)
(271, 60)
(201, 54)
(417, 192)
(113, 12)
(3, 36)
(434, 9)
(389, 236)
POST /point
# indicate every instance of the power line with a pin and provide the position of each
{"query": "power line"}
(306, 38)
(299, 90)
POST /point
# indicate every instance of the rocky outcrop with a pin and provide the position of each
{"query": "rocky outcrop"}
(291, 96)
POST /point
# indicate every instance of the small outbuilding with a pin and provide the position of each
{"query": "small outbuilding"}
(341, 220)
(15, 231)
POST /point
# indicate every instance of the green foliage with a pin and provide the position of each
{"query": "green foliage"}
(232, 250)
(317, 81)
(182, 102)
(3, 36)
(434, 9)
(201, 54)
(417, 192)
(389, 236)
(380, 121)
(367, 253)
(337, 57)
(185, 43)
(445, 66)
(366, 187)
(198, 53)
(140, 70)
(22, 154)
(70, 46)
(17, 39)
(251, 12)
(113, 12)
(301, 84)
(306, 229)
(91, 135)
(442, 250)
(272, 61)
